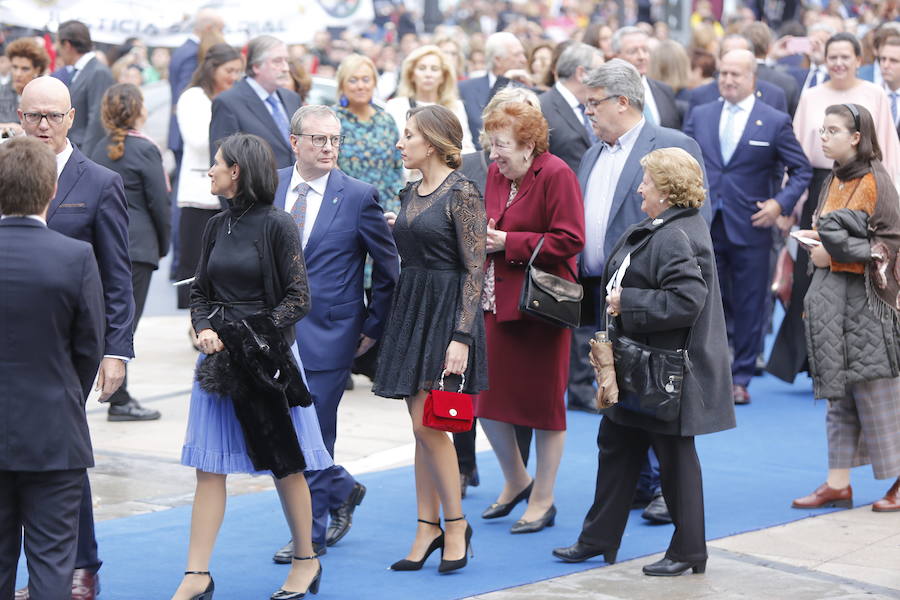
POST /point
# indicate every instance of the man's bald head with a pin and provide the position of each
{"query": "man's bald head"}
(46, 101)
(737, 75)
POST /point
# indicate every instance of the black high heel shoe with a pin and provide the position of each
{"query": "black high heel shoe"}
(454, 565)
(283, 594)
(497, 510)
(415, 565)
(206, 594)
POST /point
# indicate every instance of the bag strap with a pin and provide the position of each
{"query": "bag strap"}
(534, 254)
(462, 383)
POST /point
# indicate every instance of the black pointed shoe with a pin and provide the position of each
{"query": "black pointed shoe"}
(448, 566)
(547, 520)
(673, 568)
(415, 565)
(497, 510)
(283, 594)
(580, 552)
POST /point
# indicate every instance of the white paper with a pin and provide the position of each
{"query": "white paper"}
(616, 280)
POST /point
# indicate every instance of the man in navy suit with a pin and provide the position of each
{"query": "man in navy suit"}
(51, 324)
(340, 222)
(90, 206)
(746, 147)
(610, 174)
(767, 92)
(256, 104)
(503, 53)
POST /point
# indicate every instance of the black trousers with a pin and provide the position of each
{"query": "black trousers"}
(623, 451)
(191, 222)
(44, 504)
(141, 273)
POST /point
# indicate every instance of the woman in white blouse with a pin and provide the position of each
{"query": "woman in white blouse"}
(219, 68)
(428, 77)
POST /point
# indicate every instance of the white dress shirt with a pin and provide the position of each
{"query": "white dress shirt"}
(81, 63)
(570, 99)
(313, 199)
(63, 158)
(599, 195)
(739, 121)
(39, 218)
(264, 95)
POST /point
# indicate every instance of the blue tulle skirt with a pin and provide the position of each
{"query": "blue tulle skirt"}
(214, 442)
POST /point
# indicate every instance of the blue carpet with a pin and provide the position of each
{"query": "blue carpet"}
(751, 473)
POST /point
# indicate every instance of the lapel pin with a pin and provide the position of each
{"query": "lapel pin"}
(758, 123)
(334, 200)
(758, 94)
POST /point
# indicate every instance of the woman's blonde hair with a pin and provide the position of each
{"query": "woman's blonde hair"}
(670, 64)
(350, 64)
(677, 175)
(446, 90)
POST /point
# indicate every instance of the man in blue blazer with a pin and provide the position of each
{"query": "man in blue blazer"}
(51, 324)
(610, 174)
(89, 206)
(503, 53)
(256, 104)
(746, 147)
(340, 223)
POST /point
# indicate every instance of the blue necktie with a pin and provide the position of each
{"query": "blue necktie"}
(648, 114)
(280, 120)
(729, 137)
(587, 125)
(893, 96)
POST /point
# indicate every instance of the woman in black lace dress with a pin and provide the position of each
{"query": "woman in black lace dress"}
(436, 326)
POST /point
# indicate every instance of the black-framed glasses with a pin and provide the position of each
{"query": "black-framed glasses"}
(595, 103)
(319, 140)
(54, 118)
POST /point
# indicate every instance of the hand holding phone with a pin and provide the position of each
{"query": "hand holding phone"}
(805, 240)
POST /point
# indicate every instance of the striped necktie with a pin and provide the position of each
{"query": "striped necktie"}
(298, 211)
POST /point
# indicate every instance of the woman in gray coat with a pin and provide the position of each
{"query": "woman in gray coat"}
(667, 298)
(851, 310)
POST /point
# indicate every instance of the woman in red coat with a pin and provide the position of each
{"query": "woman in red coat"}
(529, 194)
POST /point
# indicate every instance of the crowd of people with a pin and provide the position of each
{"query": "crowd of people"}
(392, 230)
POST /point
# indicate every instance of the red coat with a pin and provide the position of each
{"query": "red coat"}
(547, 204)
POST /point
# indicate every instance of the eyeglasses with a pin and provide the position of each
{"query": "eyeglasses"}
(54, 118)
(831, 132)
(319, 140)
(595, 103)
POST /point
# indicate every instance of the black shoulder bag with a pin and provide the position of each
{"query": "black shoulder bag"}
(549, 297)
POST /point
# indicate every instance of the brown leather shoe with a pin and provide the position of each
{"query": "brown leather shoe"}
(826, 497)
(891, 500)
(85, 585)
(740, 394)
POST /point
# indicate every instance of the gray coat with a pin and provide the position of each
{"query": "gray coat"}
(847, 343)
(670, 288)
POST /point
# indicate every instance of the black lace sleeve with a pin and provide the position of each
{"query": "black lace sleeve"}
(470, 222)
(287, 255)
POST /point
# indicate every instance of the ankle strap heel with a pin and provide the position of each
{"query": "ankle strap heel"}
(196, 572)
(446, 520)
(306, 557)
(438, 524)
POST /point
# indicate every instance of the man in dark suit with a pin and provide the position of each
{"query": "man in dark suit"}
(256, 104)
(503, 54)
(632, 44)
(90, 80)
(746, 147)
(340, 223)
(610, 174)
(760, 37)
(90, 206)
(571, 134)
(51, 324)
(889, 61)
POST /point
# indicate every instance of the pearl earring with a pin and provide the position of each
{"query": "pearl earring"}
(525, 158)
(662, 200)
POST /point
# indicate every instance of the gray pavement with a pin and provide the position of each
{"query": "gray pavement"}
(845, 554)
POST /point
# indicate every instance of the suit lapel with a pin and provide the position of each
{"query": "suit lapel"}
(714, 140)
(70, 175)
(562, 107)
(81, 76)
(256, 106)
(750, 127)
(331, 202)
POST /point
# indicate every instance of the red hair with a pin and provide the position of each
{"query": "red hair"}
(526, 122)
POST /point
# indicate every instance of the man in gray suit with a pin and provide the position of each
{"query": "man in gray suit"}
(90, 80)
(571, 134)
(609, 174)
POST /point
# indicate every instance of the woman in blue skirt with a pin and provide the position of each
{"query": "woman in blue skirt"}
(250, 410)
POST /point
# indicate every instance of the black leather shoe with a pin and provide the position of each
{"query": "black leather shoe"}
(672, 568)
(131, 411)
(580, 552)
(284, 555)
(657, 512)
(497, 510)
(342, 516)
(548, 520)
(468, 479)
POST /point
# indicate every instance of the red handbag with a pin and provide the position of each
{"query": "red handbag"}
(448, 411)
